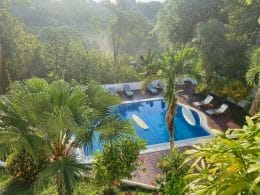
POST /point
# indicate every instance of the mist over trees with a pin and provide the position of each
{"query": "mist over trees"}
(110, 41)
(74, 39)
(54, 54)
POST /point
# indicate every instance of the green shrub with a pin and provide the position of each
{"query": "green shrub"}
(172, 180)
(118, 160)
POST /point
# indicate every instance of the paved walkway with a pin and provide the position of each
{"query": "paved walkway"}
(150, 160)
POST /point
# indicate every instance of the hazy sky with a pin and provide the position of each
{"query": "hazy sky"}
(148, 0)
(137, 0)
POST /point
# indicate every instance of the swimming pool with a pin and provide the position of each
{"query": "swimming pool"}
(152, 113)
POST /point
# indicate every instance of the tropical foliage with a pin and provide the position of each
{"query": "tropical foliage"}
(187, 15)
(43, 122)
(55, 119)
(12, 49)
(223, 31)
(228, 163)
(212, 32)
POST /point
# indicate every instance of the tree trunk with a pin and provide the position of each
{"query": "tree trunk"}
(208, 77)
(115, 55)
(115, 58)
(77, 31)
(255, 107)
(170, 120)
(59, 185)
(115, 50)
(116, 45)
(4, 75)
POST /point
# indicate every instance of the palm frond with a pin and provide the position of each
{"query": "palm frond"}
(98, 99)
(36, 85)
(112, 127)
(66, 171)
(21, 140)
(59, 93)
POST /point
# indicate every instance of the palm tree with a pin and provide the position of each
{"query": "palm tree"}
(171, 66)
(253, 79)
(55, 119)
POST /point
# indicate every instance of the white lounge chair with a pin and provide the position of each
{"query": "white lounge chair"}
(127, 90)
(222, 109)
(207, 100)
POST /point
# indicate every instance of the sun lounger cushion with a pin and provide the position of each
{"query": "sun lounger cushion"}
(127, 90)
(219, 110)
(206, 101)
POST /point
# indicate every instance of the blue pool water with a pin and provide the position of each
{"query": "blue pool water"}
(153, 114)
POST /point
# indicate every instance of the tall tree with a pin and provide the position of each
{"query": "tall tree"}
(63, 50)
(5, 43)
(78, 15)
(242, 22)
(17, 46)
(178, 18)
(125, 25)
(210, 39)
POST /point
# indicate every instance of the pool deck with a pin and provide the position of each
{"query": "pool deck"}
(150, 160)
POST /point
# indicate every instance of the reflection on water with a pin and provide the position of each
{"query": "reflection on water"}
(162, 104)
(150, 103)
(123, 109)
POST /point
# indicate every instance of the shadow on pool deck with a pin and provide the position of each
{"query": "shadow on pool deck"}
(150, 160)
